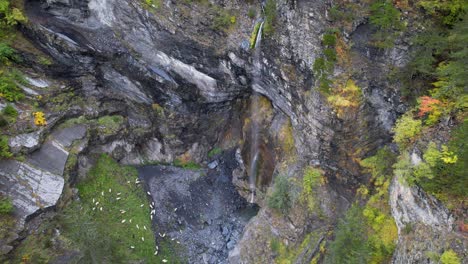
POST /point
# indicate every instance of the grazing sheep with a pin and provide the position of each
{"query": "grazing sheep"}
(118, 193)
(177, 242)
(132, 247)
(151, 216)
(163, 235)
(164, 260)
(123, 211)
(175, 209)
(156, 253)
(110, 190)
(130, 221)
(118, 198)
(142, 205)
(151, 206)
(94, 208)
(144, 227)
(123, 221)
(148, 193)
(94, 200)
(100, 209)
(102, 193)
(143, 239)
(137, 226)
(97, 203)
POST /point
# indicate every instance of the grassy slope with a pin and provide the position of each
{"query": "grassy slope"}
(100, 235)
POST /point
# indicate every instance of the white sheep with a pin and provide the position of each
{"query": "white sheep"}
(156, 253)
(143, 239)
(123, 221)
(137, 226)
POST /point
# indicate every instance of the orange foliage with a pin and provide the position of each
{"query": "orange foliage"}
(427, 105)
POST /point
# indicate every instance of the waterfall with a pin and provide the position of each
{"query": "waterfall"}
(254, 110)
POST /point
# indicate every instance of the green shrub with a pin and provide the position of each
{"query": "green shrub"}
(386, 18)
(270, 17)
(6, 206)
(329, 40)
(10, 111)
(8, 86)
(214, 152)
(310, 182)
(449, 179)
(406, 129)
(7, 53)
(251, 13)
(4, 148)
(223, 20)
(280, 198)
(10, 16)
(350, 243)
(450, 257)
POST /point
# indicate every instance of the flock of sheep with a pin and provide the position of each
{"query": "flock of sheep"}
(152, 213)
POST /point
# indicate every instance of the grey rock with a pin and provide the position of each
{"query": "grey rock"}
(30, 188)
(28, 142)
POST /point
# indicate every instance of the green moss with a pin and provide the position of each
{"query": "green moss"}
(254, 35)
(6, 206)
(110, 125)
(450, 257)
(215, 151)
(189, 165)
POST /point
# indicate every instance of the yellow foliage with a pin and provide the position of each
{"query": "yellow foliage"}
(39, 119)
(345, 96)
(286, 138)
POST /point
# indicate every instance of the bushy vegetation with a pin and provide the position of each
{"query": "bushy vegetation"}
(10, 15)
(214, 152)
(4, 148)
(223, 19)
(311, 180)
(450, 257)
(344, 95)
(270, 17)
(9, 89)
(280, 198)
(6, 206)
(350, 244)
(386, 18)
(323, 66)
(406, 129)
(109, 125)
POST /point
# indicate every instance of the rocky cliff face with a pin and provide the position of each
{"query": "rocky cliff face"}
(183, 87)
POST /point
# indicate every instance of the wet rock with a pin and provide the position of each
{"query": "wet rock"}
(208, 208)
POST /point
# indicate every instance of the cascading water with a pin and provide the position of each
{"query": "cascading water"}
(254, 110)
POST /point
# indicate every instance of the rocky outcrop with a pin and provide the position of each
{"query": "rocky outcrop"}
(421, 218)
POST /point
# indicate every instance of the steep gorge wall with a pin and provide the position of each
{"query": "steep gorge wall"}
(183, 86)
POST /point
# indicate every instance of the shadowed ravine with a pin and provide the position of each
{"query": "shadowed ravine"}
(200, 209)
